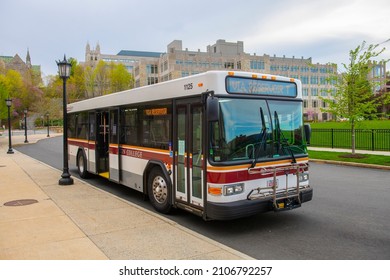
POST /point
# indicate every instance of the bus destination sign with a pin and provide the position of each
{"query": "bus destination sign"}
(260, 87)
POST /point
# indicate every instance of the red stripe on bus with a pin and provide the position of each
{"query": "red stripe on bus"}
(82, 143)
(239, 176)
(142, 153)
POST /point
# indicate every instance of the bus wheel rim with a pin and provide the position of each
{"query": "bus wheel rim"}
(160, 189)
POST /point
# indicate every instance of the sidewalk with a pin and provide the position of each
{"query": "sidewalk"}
(50, 222)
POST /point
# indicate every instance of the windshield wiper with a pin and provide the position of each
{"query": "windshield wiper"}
(283, 142)
(263, 138)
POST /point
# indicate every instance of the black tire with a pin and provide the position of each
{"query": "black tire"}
(82, 165)
(159, 191)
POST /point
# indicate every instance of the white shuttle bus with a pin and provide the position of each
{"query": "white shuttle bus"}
(222, 145)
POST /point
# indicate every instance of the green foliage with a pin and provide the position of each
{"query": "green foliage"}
(354, 91)
(353, 99)
(23, 91)
(120, 78)
(365, 124)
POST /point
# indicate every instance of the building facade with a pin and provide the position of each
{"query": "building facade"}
(153, 67)
(16, 63)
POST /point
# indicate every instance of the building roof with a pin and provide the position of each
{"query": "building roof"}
(140, 53)
(6, 58)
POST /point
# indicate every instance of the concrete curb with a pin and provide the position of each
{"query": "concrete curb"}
(355, 164)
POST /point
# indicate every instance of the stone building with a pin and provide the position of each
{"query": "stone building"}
(16, 63)
(153, 67)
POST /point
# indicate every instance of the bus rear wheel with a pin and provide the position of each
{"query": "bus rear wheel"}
(82, 165)
(159, 191)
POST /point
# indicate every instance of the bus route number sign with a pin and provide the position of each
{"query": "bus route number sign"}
(260, 87)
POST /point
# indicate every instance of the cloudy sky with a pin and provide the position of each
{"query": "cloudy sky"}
(324, 30)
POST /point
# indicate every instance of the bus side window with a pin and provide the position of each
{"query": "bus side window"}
(129, 133)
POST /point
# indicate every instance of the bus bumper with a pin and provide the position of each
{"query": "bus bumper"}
(244, 208)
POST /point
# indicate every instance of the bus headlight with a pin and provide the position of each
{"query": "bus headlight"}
(303, 177)
(233, 189)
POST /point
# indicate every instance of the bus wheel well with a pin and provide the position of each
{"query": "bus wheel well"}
(159, 188)
(149, 167)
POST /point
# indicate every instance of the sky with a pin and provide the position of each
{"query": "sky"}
(324, 30)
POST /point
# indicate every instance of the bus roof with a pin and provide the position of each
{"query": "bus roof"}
(182, 87)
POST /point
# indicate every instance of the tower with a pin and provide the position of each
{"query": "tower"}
(28, 59)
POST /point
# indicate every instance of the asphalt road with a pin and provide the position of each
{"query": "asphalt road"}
(348, 218)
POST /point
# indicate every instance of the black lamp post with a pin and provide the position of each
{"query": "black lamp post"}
(8, 101)
(64, 73)
(25, 126)
(48, 124)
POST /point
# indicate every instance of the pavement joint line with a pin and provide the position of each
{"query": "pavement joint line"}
(156, 215)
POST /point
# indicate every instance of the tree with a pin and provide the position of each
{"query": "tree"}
(100, 76)
(353, 98)
(120, 78)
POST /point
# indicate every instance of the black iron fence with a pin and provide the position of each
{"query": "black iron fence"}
(365, 139)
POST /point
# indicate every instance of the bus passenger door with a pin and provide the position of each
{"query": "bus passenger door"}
(189, 153)
(92, 143)
(114, 155)
(102, 145)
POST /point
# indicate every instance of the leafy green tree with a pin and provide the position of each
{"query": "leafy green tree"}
(76, 84)
(4, 93)
(353, 98)
(101, 78)
(120, 78)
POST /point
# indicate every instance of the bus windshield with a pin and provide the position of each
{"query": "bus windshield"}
(257, 130)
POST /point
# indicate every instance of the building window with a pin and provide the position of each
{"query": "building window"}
(152, 80)
(151, 69)
(255, 64)
(305, 80)
(229, 65)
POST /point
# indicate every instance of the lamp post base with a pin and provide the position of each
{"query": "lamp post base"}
(10, 151)
(65, 180)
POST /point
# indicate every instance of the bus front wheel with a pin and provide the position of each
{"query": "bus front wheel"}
(159, 191)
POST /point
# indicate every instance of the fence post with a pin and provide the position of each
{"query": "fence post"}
(332, 136)
(372, 140)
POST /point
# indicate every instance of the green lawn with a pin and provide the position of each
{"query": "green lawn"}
(370, 135)
(377, 124)
(366, 158)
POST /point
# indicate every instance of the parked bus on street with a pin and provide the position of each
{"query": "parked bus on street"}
(222, 145)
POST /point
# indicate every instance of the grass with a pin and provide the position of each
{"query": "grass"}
(345, 157)
(338, 134)
(375, 124)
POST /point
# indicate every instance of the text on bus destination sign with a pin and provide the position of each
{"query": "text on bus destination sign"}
(260, 87)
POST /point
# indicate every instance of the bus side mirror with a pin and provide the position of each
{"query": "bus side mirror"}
(307, 128)
(212, 109)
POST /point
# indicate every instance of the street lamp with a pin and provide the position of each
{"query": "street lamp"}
(25, 126)
(8, 102)
(48, 124)
(64, 73)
